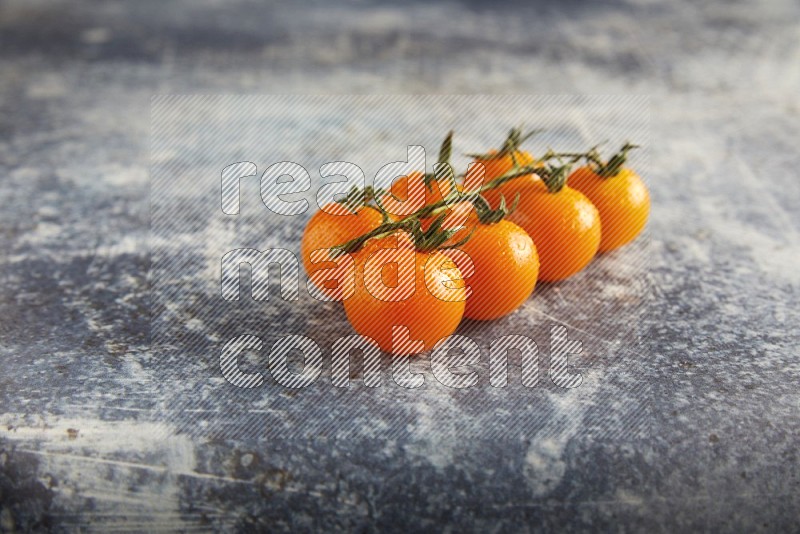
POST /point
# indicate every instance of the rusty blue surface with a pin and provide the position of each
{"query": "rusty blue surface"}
(92, 439)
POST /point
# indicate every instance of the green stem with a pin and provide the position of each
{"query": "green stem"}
(427, 211)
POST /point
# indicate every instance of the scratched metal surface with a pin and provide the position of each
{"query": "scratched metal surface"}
(690, 422)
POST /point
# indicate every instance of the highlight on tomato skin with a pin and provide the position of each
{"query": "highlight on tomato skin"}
(329, 227)
(424, 295)
(622, 200)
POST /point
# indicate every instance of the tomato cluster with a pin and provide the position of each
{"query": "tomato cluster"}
(407, 281)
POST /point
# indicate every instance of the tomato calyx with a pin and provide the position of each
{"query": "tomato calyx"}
(446, 149)
(510, 146)
(487, 215)
(555, 176)
(601, 167)
(368, 197)
(435, 236)
(442, 170)
(611, 168)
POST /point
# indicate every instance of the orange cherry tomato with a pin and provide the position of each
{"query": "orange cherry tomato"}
(330, 227)
(428, 297)
(506, 266)
(565, 226)
(622, 200)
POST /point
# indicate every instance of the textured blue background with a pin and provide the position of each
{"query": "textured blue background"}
(83, 439)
